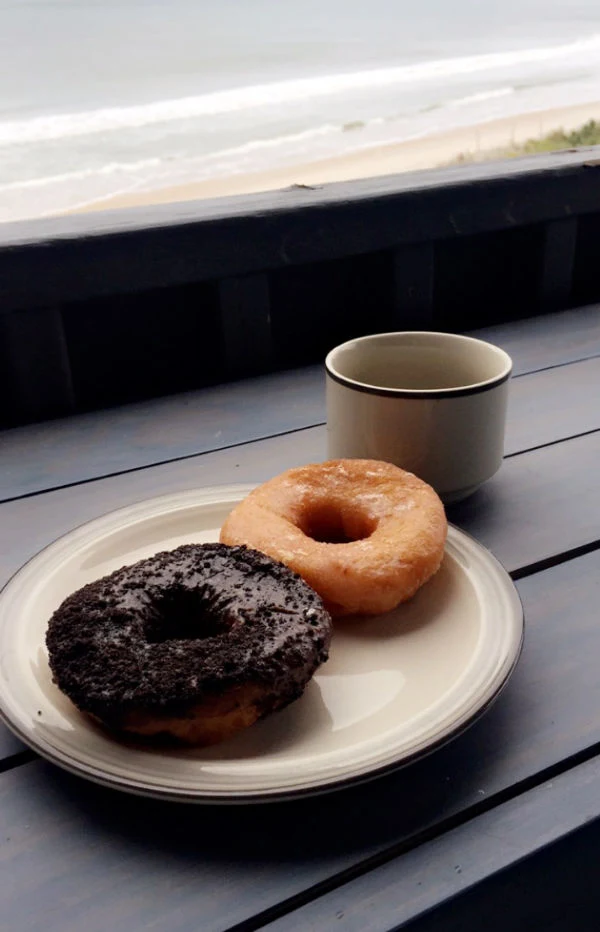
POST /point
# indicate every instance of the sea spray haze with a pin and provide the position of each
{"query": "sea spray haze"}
(99, 97)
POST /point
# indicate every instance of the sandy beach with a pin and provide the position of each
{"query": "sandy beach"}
(475, 142)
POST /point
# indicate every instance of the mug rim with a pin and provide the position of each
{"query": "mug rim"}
(431, 393)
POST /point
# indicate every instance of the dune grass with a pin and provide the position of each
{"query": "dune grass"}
(586, 135)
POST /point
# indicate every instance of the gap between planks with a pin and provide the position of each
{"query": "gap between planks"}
(245, 443)
(133, 418)
(394, 851)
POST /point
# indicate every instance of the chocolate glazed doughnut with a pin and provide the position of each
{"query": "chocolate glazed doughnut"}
(196, 643)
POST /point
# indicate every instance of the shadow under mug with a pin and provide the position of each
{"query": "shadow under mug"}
(432, 403)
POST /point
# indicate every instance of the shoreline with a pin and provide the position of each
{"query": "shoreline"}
(473, 143)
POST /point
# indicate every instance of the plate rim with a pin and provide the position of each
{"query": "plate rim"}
(232, 492)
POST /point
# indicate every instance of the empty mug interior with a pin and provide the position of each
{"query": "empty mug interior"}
(419, 362)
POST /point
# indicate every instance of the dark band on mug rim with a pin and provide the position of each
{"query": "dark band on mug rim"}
(432, 393)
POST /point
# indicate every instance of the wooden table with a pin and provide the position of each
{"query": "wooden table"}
(498, 829)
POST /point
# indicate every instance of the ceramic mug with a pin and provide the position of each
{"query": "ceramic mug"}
(432, 403)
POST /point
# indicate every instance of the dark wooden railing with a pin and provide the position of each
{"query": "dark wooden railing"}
(104, 308)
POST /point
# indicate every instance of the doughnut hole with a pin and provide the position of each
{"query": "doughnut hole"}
(181, 614)
(325, 522)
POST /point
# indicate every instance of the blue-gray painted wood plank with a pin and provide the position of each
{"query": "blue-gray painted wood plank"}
(132, 864)
(9, 745)
(539, 504)
(49, 455)
(550, 340)
(554, 890)
(56, 453)
(436, 873)
(553, 404)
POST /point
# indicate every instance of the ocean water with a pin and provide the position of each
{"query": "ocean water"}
(99, 97)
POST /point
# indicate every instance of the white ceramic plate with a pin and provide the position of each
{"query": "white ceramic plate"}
(394, 688)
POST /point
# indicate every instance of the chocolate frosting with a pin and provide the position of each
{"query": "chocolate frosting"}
(184, 625)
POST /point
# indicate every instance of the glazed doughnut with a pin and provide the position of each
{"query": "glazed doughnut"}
(364, 534)
(196, 643)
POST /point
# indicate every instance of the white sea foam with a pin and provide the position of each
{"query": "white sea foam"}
(146, 168)
(111, 169)
(257, 145)
(111, 119)
(481, 97)
(144, 174)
